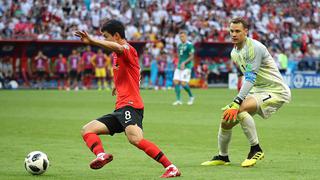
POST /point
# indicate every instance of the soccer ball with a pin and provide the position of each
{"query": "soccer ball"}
(36, 162)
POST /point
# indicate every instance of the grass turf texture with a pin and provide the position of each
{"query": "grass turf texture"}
(50, 121)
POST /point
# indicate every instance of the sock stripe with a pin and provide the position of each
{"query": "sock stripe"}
(158, 156)
(93, 146)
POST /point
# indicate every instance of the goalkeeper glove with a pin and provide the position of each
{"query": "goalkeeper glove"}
(231, 111)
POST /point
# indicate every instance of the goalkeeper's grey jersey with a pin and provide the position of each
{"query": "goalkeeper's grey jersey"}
(260, 70)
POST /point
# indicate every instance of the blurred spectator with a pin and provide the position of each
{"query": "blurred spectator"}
(40, 68)
(74, 66)
(109, 72)
(87, 67)
(289, 25)
(25, 69)
(308, 63)
(99, 62)
(153, 71)
(2, 81)
(7, 68)
(283, 62)
(214, 73)
(224, 71)
(61, 70)
(169, 70)
(162, 63)
(145, 63)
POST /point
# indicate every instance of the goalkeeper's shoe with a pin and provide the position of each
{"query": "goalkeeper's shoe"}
(252, 159)
(171, 171)
(100, 161)
(217, 160)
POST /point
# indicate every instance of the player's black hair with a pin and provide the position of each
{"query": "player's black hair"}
(241, 20)
(114, 26)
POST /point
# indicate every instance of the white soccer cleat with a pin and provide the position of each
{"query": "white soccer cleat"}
(190, 102)
(177, 103)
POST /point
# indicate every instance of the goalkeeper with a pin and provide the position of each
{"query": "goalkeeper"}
(263, 92)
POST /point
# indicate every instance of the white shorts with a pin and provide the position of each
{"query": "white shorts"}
(182, 75)
(267, 103)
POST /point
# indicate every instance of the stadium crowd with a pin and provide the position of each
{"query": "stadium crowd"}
(289, 28)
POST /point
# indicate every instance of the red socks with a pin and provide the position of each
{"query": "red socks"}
(94, 143)
(154, 152)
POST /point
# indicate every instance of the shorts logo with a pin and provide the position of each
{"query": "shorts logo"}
(127, 116)
(127, 121)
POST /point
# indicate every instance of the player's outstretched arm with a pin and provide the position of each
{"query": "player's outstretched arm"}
(112, 46)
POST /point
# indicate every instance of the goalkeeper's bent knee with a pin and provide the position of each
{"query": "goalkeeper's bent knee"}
(243, 115)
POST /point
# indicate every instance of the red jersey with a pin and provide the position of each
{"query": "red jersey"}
(126, 70)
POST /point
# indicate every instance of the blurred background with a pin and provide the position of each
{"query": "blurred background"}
(38, 49)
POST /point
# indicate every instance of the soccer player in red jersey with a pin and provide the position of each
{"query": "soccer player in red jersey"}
(128, 113)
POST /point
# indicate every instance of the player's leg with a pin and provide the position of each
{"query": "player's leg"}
(109, 79)
(135, 136)
(131, 121)
(25, 77)
(224, 138)
(98, 77)
(176, 81)
(90, 134)
(186, 75)
(73, 83)
(248, 107)
(186, 87)
(178, 92)
(59, 83)
(66, 82)
(163, 80)
(78, 79)
(103, 78)
(85, 79)
(41, 80)
(70, 80)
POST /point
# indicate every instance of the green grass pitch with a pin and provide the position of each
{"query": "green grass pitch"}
(50, 121)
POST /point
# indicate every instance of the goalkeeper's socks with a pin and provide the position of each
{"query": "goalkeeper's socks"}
(154, 152)
(94, 143)
(223, 158)
(249, 128)
(224, 137)
(255, 148)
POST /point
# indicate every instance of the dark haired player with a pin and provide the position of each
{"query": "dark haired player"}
(128, 113)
